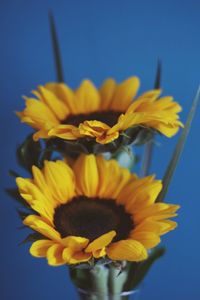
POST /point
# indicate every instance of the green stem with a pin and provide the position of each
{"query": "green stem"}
(92, 284)
(116, 282)
(100, 283)
(56, 48)
(99, 280)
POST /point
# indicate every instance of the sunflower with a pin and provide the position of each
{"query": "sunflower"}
(99, 116)
(93, 209)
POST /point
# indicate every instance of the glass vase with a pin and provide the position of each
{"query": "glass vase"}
(87, 295)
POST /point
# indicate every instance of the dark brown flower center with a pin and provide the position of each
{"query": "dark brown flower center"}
(92, 217)
(108, 117)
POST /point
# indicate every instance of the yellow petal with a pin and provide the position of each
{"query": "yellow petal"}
(39, 180)
(88, 98)
(98, 130)
(99, 253)
(144, 196)
(129, 250)
(93, 128)
(111, 186)
(101, 242)
(38, 224)
(167, 103)
(124, 94)
(168, 130)
(134, 185)
(66, 132)
(35, 198)
(57, 107)
(39, 112)
(129, 120)
(158, 227)
(75, 242)
(33, 122)
(54, 255)
(64, 93)
(107, 91)
(41, 134)
(147, 239)
(144, 102)
(159, 114)
(107, 138)
(79, 257)
(86, 172)
(60, 179)
(157, 211)
(73, 257)
(167, 225)
(40, 247)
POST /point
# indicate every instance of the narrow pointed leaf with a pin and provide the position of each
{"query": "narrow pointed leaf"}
(157, 83)
(178, 150)
(56, 49)
(80, 276)
(22, 214)
(13, 173)
(14, 193)
(148, 151)
(32, 237)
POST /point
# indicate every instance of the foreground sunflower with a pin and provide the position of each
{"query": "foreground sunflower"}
(82, 212)
(99, 116)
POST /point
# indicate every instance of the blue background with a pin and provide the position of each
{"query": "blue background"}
(101, 39)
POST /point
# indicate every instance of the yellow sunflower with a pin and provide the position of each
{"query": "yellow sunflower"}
(100, 115)
(94, 209)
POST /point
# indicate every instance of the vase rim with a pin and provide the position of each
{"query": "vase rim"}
(125, 293)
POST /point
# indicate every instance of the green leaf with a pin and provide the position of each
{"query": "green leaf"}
(148, 150)
(32, 237)
(22, 214)
(13, 173)
(28, 153)
(14, 193)
(56, 49)
(178, 150)
(137, 271)
(157, 82)
(80, 277)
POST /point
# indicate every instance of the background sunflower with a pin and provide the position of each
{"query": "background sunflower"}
(95, 117)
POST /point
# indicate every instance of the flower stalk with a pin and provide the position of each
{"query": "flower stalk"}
(106, 283)
(116, 282)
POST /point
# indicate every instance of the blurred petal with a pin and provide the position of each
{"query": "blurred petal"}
(124, 94)
(88, 98)
(54, 255)
(35, 198)
(66, 132)
(40, 248)
(54, 103)
(147, 239)
(75, 242)
(38, 224)
(64, 93)
(129, 250)
(107, 91)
